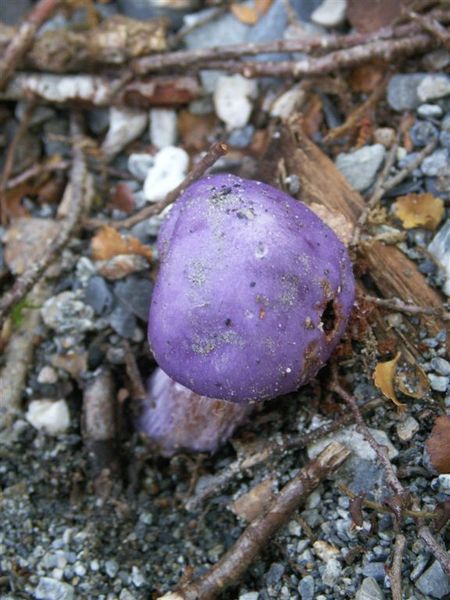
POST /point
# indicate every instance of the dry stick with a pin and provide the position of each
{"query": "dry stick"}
(387, 50)
(35, 171)
(385, 185)
(391, 478)
(355, 117)
(24, 38)
(277, 447)
(10, 155)
(26, 281)
(412, 309)
(253, 540)
(217, 150)
(138, 391)
(395, 574)
(186, 58)
(432, 25)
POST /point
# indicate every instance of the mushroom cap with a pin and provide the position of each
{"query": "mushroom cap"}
(253, 293)
(175, 418)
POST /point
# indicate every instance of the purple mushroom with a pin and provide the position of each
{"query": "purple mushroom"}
(253, 294)
(175, 418)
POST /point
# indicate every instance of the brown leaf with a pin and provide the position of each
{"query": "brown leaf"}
(367, 15)
(245, 14)
(419, 210)
(108, 242)
(383, 378)
(438, 444)
(123, 198)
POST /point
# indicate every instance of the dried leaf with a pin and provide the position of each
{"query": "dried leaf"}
(108, 243)
(438, 444)
(123, 198)
(245, 14)
(383, 378)
(367, 15)
(419, 210)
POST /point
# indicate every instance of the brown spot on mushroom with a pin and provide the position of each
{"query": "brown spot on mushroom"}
(311, 360)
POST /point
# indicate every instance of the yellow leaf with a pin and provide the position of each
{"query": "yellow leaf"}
(108, 243)
(419, 210)
(383, 378)
(245, 14)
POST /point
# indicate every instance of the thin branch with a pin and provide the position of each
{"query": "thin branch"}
(411, 309)
(38, 169)
(26, 281)
(272, 449)
(437, 550)
(254, 539)
(9, 161)
(395, 574)
(217, 150)
(24, 39)
(138, 391)
(430, 24)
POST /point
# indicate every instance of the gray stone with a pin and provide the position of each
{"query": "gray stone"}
(99, 296)
(376, 570)
(434, 582)
(98, 120)
(440, 365)
(140, 164)
(249, 596)
(428, 111)
(369, 590)
(275, 573)
(135, 294)
(306, 588)
(360, 167)
(270, 26)
(66, 313)
(439, 248)
(422, 133)
(439, 383)
(436, 60)
(332, 572)
(163, 127)
(241, 138)
(407, 428)
(402, 91)
(52, 589)
(148, 9)
(111, 568)
(437, 164)
(122, 321)
(433, 86)
(126, 124)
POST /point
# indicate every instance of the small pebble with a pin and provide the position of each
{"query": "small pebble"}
(50, 416)
(402, 91)
(437, 164)
(330, 13)
(169, 169)
(439, 383)
(51, 589)
(66, 313)
(444, 483)
(361, 166)
(47, 375)
(306, 588)
(332, 572)
(439, 248)
(407, 428)
(163, 127)
(369, 590)
(139, 164)
(384, 136)
(422, 133)
(99, 296)
(433, 583)
(440, 365)
(433, 86)
(233, 97)
(126, 124)
(249, 596)
(430, 111)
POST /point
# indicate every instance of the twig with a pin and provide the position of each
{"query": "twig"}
(395, 574)
(36, 170)
(217, 150)
(355, 117)
(254, 539)
(438, 551)
(188, 58)
(432, 25)
(387, 50)
(26, 281)
(138, 391)
(385, 185)
(24, 38)
(397, 305)
(19, 353)
(10, 155)
(272, 449)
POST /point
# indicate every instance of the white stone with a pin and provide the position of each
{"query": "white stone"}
(233, 100)
(330, 13)
(51, 416)
(139, 164)
(168, 171)
(125, 125)
(444, 483)
(434, 86)
(249, 596)
(407, 428)
(285, 104)
(47, 375)
(163, 127)
(332, 572)
(440, 249)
